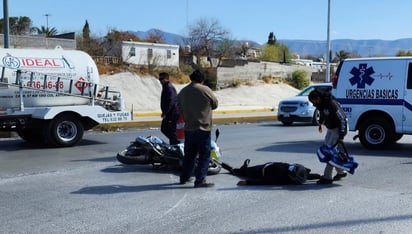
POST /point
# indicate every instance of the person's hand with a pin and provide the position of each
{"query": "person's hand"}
(242, 182)
(320, 128)
(340, 140)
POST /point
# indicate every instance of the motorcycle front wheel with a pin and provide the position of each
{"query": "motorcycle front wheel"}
(133, 155)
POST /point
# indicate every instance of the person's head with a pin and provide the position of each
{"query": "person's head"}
(298, 173)
(315, 97)
(163, 77)
(197, 76)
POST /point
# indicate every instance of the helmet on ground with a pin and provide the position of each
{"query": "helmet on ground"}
(298, 173)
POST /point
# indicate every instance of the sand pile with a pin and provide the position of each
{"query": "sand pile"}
(142, 93)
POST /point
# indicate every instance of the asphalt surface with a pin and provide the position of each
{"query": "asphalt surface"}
(228, 116)
(84, 189)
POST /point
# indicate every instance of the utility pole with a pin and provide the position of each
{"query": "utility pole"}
(327, 78)
(47, 29)
(47, 21)
(6, 26)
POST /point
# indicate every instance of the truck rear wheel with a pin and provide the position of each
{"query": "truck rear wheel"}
(375, 133)
(65, 130)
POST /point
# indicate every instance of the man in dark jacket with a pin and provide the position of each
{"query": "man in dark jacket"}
(334, 119)
(272, 173)
(168, 105)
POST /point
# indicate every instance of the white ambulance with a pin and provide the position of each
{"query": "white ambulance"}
(376, 95)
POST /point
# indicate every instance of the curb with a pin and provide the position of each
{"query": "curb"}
(156, 113)
(233, 117)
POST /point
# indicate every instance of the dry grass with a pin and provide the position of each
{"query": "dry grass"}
(176, 76)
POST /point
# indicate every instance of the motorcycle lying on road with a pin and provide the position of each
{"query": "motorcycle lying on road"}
(153, 150)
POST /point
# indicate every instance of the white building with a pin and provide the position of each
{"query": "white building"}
(311, 63)
(150, 54)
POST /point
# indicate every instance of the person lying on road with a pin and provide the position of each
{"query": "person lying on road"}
(272, 173)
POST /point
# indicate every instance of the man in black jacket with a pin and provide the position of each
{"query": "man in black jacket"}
(334, 119)
(168, 105)
(272, 173)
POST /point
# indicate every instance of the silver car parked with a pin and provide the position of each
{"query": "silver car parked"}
(299, 108)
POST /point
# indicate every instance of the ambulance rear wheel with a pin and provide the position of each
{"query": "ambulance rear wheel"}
(376, 133)
(65, 130)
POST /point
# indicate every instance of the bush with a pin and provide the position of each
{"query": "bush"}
(300, 79)
(267, 79)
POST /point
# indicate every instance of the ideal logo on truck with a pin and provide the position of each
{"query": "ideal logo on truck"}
(31, 63)
(46, 65)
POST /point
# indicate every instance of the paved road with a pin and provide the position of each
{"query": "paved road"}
(83, 189)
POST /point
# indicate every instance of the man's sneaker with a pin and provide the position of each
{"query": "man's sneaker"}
(184, 181)
(339, 176)
(204, 184)
(323, 180)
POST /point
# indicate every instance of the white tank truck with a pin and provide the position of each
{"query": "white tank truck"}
(52, 96)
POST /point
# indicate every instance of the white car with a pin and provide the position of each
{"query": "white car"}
(299, 108)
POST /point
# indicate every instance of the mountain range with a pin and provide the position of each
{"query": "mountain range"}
(316, 48)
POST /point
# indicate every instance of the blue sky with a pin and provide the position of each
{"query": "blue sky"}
(245, 20)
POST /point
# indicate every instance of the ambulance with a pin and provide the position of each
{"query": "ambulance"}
(376, 95)
(53, 95)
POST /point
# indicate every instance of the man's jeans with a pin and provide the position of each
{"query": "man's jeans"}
(197, 145)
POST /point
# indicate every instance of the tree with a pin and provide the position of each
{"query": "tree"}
(277, 52)
(226, 49)
(205, 37)
(113, 42)
(402, 53)
(272, 39)
(87, 43)
(155, 36)
(341, 55)
(46, 31)
(18, 25)
(86, 31)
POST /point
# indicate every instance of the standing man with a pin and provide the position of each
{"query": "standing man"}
(334, 118)
(196, 101)
(168, 105)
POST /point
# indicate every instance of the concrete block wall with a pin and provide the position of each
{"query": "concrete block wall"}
(27, 41)
(257, 70)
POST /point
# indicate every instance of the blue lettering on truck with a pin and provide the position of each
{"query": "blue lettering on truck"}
(363, 76)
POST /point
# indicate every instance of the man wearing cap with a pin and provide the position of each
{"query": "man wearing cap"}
(196, 102)
(168, 105)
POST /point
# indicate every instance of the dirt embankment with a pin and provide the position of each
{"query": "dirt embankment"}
(142, 93)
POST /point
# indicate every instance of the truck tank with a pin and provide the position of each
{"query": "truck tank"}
(50, 77)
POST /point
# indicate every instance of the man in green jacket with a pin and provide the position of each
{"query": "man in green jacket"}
(197, 102)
